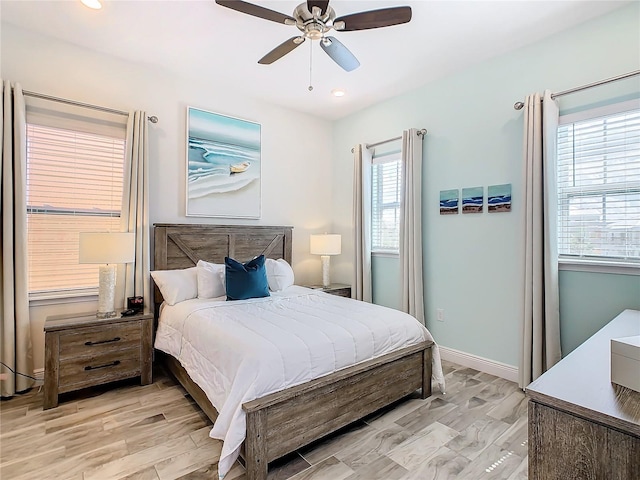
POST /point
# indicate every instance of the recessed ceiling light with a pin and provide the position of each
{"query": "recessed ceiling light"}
(338, 92)
(95, 4)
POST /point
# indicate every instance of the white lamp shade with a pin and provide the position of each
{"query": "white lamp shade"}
(107, 247)
(325, 244)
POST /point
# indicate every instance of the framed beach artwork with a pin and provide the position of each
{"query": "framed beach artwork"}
(223, 166)
(449, 202)
(472, 199)
(499, 198)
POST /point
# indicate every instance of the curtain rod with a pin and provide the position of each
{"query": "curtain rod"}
(520, 105)
(152, 118)
(421, 133)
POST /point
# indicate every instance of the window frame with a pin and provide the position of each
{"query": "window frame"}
(596, 264)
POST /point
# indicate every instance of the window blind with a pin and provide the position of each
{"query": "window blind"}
(599, 188)
(74, 184)
(386, 179)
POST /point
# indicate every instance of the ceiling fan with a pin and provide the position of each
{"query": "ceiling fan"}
(314, 19)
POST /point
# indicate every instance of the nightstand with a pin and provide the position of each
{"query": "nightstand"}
(84, 351)
(339, 289)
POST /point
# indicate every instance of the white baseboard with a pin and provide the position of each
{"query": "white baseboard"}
(502, 370)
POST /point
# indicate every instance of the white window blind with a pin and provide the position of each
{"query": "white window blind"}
(74, 184)
(386, 180)
(599, 187)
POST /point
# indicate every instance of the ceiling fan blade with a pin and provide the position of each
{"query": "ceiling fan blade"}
(321, 4)
(339, 53)
(384, 17)
(281, 50)
(257, 11)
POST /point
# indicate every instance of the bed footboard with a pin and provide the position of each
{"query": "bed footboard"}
(284, 421)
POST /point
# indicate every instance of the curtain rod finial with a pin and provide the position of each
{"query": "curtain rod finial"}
(518, 105)
(153, 119)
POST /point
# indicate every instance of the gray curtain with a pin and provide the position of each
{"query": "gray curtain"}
(362, 222)
(133, 278)
(15, 329)
(411, 225)
(541, 317)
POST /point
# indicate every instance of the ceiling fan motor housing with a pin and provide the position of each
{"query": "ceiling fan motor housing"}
(312, 27)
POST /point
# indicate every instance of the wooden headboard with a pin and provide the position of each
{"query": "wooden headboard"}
(182, 245)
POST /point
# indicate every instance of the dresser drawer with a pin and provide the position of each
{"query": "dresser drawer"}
(93, 341)
(80, 372)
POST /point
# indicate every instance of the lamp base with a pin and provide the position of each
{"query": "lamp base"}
(326, 281)
(106, 292)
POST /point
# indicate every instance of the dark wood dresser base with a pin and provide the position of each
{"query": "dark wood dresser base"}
(582, 426)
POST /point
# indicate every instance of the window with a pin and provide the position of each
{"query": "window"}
(386, 191)
(599, 185)
(74, 184)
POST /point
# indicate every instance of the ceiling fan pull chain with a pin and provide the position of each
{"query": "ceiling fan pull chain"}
(310, 66)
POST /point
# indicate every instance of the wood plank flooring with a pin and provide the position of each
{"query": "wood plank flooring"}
(478, 430)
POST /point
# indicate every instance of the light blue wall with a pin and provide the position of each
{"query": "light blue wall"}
(472, 262)
(589, 300)
(385, 279)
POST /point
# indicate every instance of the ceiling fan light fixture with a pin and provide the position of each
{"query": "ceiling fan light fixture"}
(338, 92)
(92, 4)
(313, 32)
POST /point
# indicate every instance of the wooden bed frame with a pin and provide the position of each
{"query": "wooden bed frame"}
(282, 422)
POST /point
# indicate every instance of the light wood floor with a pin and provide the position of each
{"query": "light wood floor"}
(478, 430)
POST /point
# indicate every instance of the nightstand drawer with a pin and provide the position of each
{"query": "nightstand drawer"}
(93, 341)
(75, 373)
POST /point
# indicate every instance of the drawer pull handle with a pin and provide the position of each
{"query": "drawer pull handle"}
(112, 364)
(91, 344)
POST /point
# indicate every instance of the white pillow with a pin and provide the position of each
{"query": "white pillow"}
(210, 279)
(177, 285)
(279, 274)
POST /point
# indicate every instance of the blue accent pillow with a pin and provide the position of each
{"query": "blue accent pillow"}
(248, 280)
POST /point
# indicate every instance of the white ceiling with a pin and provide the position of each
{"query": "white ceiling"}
(202, 39)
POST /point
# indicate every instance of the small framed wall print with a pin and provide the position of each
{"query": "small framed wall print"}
(499, 198)
(449, 202)
(472, 200)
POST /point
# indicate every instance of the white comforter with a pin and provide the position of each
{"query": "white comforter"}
(242, 350)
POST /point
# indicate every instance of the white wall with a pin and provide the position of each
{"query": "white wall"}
(294, 178)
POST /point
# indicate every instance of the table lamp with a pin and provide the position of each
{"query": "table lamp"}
(107, 249)
(325, 245)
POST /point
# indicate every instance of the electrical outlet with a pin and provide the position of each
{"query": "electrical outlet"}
(38, 374)
(440, 314)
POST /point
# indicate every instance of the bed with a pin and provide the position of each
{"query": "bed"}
(283, 421)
